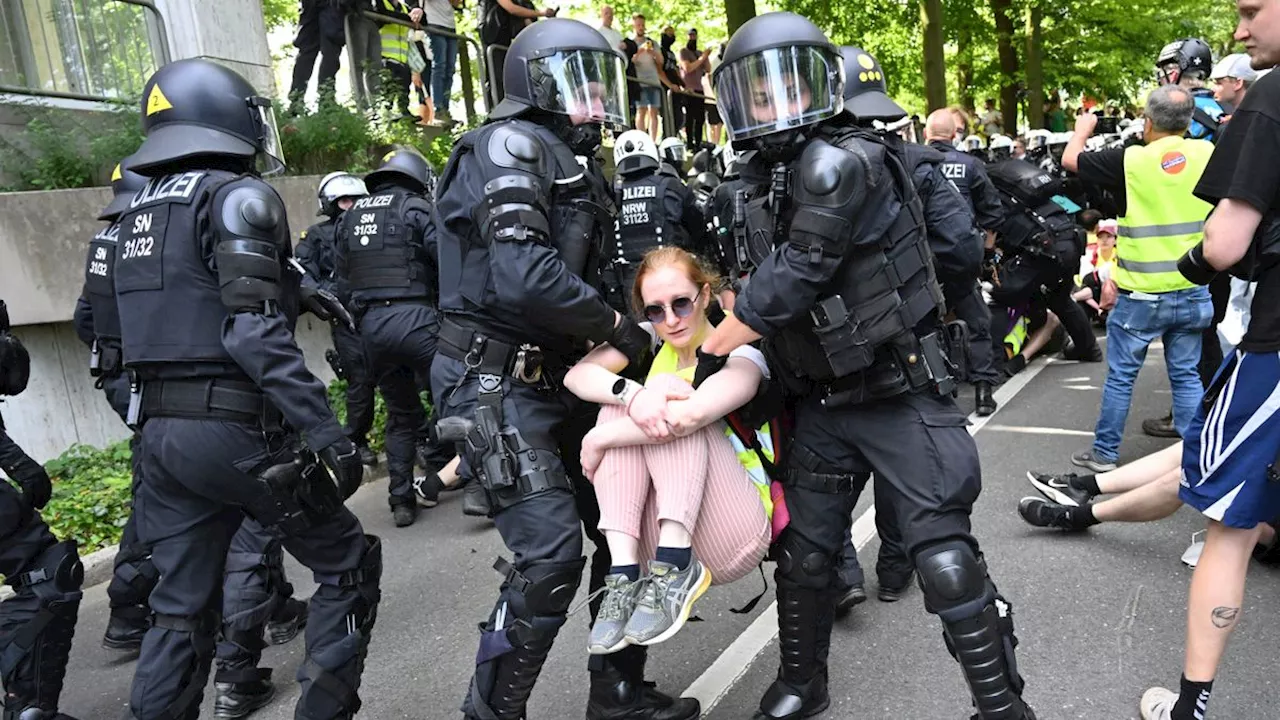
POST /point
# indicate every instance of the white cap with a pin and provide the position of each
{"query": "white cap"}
(1235, 66)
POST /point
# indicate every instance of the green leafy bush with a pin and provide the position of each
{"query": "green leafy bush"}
(336, 137)
(378, 435)
(59, 150)
(91, 499)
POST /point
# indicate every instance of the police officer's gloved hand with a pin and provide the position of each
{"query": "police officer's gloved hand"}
(343, 460)
(34, 481)
(708, 365)
(1195, 268)
(326, 306)
(631, 340)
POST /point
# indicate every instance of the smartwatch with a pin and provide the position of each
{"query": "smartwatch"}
(624, 390)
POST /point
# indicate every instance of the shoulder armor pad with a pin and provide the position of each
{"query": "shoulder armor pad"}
(832, 176)
(510, 146)
(251, 209)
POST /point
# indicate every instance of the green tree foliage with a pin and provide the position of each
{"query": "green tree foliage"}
(279, 12)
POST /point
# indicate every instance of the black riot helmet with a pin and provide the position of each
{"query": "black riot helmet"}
(779, 73)
(198, 108)
(704, 182)
(125, 183)
(564, 67)
(866, 97)
(404, 167)
(1188, 57)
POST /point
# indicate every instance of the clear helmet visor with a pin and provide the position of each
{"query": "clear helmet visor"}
(589, 86)
(779, 89)
(270, 160)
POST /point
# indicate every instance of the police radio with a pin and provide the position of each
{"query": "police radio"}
(779, 194)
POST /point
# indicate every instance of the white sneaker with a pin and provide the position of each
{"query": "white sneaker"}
(1157, 703)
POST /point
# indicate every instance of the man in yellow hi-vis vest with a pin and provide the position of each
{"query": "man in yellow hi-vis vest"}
(1160, 220)
(396, 47)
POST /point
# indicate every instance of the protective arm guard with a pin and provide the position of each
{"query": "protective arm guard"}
(514, 221)
(253, 235)
(829, 193)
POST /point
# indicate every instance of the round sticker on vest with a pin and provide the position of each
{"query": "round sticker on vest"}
(1173, 162)
(364, 240)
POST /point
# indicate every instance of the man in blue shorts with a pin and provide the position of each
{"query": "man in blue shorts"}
(1230, 463)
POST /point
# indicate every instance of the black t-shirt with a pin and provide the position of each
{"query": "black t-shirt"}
(1244, 167)
(1105, 169)
(630, 48)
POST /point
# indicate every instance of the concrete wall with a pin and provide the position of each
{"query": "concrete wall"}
(235, 35)
(43, 237)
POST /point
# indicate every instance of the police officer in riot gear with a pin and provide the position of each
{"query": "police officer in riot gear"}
(97, 324)
(387, 262)
(232, 424)
(521, 209)
(671, 156)
(845, 297)
(1188, 62)
(653, 210)
(318, 254)
(968, 172)
(38, 622)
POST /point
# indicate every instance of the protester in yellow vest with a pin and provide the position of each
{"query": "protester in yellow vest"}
(395, 51)
(1160, 219)
(675, 491)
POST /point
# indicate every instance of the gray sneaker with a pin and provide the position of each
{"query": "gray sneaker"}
(1086, 459)
(667, 600)
(609, 634)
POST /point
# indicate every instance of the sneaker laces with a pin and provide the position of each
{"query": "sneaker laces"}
(655, 590)
(612, 600)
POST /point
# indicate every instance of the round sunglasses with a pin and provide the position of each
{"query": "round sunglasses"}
(682, 307)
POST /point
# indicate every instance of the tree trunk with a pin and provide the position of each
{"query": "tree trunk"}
(738, 12)
(964, 68)
(935, 77)
(1035, 69)
(1008, 61)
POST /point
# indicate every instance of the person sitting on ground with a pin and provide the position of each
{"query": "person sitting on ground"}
(1095, 268)
(667, 473)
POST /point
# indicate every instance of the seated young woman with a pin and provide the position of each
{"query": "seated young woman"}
(673, 483)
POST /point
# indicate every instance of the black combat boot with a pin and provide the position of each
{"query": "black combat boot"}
(984, 400)
(615, 696)
(241, 699)
(126, 628)
(805, 617)
(405, 514)
(287, 621)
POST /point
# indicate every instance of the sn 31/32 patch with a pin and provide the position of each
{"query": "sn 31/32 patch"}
(140, 249)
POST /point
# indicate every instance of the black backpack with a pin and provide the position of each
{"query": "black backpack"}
(15, 361)
(1026, 182)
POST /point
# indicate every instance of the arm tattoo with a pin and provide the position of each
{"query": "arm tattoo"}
(1224, 617)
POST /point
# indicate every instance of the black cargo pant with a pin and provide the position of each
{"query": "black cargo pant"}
(321, 32)
(196, 478)
(360, 384)
(400, 344)
(254, 589)
(965, 300)
(893, 565)
(543, 531)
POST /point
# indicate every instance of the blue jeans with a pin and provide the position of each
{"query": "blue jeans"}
(444, 54)
(1178, 318)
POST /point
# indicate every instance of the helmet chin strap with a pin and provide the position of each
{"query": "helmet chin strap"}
(780, 147)
(582, 139)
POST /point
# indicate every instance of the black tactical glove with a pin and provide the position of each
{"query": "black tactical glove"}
(708, 365)
(631, 340)
(326, 306)
(34, 481)
(1195, 268)
(343, 460)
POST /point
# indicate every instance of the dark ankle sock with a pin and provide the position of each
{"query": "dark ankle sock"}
(1082, 517)
(1193, 699)
(680, 557)
(631, 571)
(1087, 482)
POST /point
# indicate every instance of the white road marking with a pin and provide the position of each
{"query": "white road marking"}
(718, 679)
(1033, 430)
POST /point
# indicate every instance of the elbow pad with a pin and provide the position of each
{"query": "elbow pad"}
(513, 211)
(1195, 268)
(248, 252)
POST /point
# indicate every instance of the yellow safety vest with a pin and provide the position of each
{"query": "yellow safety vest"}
(1014, 340)
(395, 38)
(1164, 219)
(665, 362)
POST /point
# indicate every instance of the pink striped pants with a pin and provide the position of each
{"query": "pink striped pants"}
(696, 481)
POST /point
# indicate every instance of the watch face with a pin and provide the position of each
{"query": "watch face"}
(619, 386)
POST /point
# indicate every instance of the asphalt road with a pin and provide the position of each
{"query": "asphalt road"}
(1100, 615)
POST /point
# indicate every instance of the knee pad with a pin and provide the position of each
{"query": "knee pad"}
(954, 580)
(37, 626)
(803, 563)
(362, 585)
(545, 589)
(247, 600)
(134, 577)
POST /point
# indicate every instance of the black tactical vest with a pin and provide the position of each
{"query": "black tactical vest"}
(170, 305)
(886, 288)
(385, 256)
(99, 283)
(643, 222)
(582, 207)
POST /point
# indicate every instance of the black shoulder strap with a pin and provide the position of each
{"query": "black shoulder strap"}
(1210, 124)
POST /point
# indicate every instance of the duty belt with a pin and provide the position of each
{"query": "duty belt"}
(489, 356)
(209, 399)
